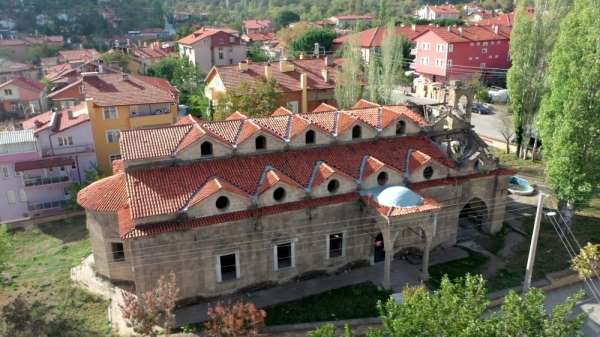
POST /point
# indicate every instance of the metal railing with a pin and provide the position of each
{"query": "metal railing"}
(68, 150)
(36, 181)
(46, 205)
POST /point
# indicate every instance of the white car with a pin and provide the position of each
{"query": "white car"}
(498, 95)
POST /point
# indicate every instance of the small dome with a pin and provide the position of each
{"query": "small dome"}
(398, 196)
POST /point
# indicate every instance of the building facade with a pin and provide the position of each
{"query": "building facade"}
(435, 12)
(235, 204)
(209, 47)
(304, 84)
(23, 97)
(444, 54)
(118, 102)
(258, 26)
(10, 70)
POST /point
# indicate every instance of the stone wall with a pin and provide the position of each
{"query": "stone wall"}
(104, 231)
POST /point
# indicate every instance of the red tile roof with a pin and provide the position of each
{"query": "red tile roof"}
(105, 195)
(169, 140)
(149, 52)
(127, 89)
(289, 81)
(444, 9)
(324, 107)
(43, 163)
(373, 38)
(78, 55)
(257, 24)
(24, 83)
(71, 91)
(469, 34)
(504, 19)
(213, 186)
(203, 33)
(170, 188)
(260, 37)
(64, 121)
(428, 205)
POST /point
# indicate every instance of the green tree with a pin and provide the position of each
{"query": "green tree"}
(118, 58)
(392, 58)
(35, 53)
(458, 309)
(570, 114)
(285, 17)
(182, 74)
(259, 99)
(92, 174)
(587, 261)
(532, 40)
(5, 245)
(305, 43)
(348, 84)
(373, 79)
(257, 54)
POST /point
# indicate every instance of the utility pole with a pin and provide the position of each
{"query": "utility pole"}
(534, 240)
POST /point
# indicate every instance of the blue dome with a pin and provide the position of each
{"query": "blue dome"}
(398, 196)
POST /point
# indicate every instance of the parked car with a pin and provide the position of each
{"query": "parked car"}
(481, 108)
(498, 95)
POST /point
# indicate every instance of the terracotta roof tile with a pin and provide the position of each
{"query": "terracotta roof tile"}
(417, 159)
(257, 24)
(160, 142)
(373, 38)
(324, 107)
(203, 33)
(369, 116)
(105, 195)
(299, 124)
(271, 177)
(364, 104)
(226, 130)
(236, 115)
(277, 124)
(408, 113)
(211, 187)
(127, 89)
(42, 121)
(165, 190)
(281, 111)
(78, 55)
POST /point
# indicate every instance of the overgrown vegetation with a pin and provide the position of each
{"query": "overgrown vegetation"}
(259, 99)
(344, 303)
(37, 267)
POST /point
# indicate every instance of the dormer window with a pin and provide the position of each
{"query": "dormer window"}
(428, 172)
(400, 128)
(206, 149)
(279, 194)
(260, 143)
(310, 137)
(356, 132)
(222, 203)
(382, 178)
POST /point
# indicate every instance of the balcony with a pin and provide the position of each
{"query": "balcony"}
(46, 205)
(62, 150)
(37, 181)
(149, 110)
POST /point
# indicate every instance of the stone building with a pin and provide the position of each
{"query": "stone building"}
(247, 202)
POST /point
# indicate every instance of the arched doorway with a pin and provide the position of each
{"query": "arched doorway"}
(378, 249)
(471, 218)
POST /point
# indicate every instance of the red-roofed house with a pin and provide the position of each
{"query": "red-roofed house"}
(437, 12)
(251, 201)
(304, 83)
(451, 53)
(144, 57)
(504, 19)
(78, 56)
(258, 26)
(23, 96)
(208, 47)
(370, 40)
(349, 21)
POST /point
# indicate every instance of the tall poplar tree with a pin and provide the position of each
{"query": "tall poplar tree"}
(570, 114)
(391, 62)
(348, 86)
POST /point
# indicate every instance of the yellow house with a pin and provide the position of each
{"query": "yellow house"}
(117, 102)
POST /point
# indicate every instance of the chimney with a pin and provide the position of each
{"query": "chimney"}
(304, 88)
(100, 68)
(325, 74)
(461, 31)
(449, 28)
(402, 25)
(125, 76)
(268, 71)
(413, 27)
(301, 56)
(496, 29)
(285, 66)
(243, 65)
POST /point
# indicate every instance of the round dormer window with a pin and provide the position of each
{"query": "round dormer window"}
(428, 172)
(333, 186)
(279, 194)
(382, 178)
(222, 203)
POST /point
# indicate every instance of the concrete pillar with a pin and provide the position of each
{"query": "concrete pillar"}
(387, 268)
(425, 267)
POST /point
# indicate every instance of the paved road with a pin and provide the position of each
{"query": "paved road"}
(590, 328)
(490, 125)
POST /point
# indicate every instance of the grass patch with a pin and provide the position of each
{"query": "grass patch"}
(355, 301)
(529, 168)
(455, 269)
(39, 267)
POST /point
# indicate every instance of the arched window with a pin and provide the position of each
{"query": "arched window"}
(310, 137)
(400, 128)
(261, 143)
(333, 186)
(279, 194)
(382, 178)
(222, 203)
(356, 132)
(206, 149)
(428, 172)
